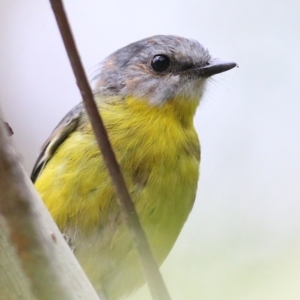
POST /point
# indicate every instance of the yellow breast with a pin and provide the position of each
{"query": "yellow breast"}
(158, 151)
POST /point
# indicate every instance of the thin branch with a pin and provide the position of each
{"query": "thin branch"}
(156, 284)
(49, 269)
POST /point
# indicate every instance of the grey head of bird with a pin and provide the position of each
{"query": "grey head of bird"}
(157, 69)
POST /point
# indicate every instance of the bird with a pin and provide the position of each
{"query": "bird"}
(147, 94)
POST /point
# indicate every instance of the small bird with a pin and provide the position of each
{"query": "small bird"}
(147, 94)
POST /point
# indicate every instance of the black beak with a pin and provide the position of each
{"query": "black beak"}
(214, 67)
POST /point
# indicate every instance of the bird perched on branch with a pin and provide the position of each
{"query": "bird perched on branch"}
(147, 94)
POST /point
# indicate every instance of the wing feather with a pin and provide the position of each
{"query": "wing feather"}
(66, 126)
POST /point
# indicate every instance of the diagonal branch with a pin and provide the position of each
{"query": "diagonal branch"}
(151, 271)
(31, 245)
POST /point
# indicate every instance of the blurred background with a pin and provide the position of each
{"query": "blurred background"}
(242, 238)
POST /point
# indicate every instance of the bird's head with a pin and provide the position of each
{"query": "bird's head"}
(159, 69)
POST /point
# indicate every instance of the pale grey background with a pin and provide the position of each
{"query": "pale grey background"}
(242, 238)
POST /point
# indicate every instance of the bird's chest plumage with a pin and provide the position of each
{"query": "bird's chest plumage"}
(159, 159)
(161, 171)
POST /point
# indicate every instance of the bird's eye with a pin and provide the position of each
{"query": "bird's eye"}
(160, 63)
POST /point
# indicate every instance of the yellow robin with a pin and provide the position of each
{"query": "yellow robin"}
(147, 94)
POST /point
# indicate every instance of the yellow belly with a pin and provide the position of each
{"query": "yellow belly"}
(159, 158)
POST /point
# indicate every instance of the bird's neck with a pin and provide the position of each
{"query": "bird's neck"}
(179, 109)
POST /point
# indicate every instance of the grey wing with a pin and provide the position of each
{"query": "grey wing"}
(66, 126)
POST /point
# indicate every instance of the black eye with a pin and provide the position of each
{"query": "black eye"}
(160, 63)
